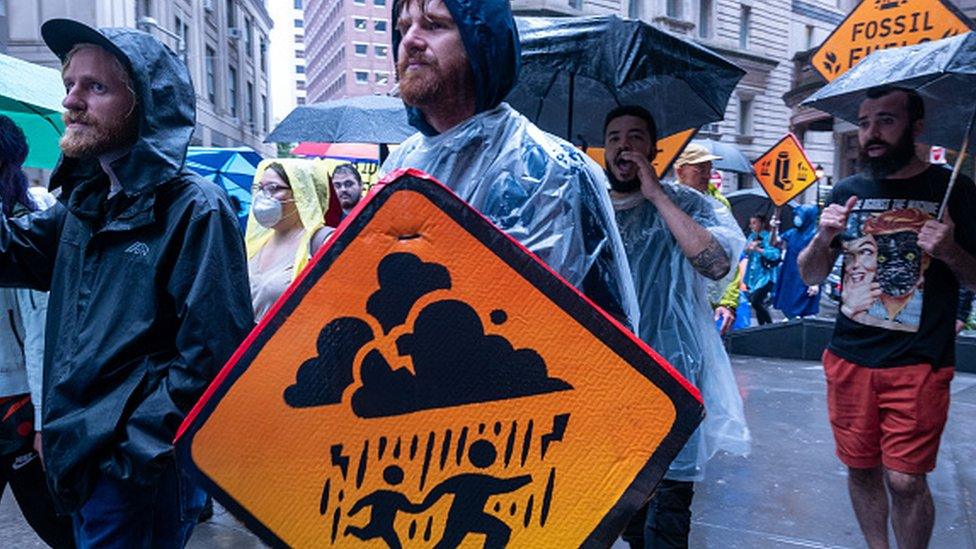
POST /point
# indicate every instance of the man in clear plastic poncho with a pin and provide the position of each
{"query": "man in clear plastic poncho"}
(456, 61)
(675, 244)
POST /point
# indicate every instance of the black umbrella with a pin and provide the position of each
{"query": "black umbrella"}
(364, 119)
(575, 70)
(749, 202)
(942, 72)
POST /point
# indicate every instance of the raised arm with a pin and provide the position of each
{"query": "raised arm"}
(698, 245)
(818, 258)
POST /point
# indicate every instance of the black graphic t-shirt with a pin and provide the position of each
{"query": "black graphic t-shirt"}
(898, 304)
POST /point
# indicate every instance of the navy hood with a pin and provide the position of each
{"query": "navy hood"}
(808, 214)
(166, 106)
(491, 42)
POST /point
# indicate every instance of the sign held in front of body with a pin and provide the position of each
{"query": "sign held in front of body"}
(784, 171)
(427, 382)
(882, 24)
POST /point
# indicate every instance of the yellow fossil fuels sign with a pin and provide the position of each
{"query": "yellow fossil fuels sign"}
(668, 149)
(427, 382)
(784, 170)
(882, 24)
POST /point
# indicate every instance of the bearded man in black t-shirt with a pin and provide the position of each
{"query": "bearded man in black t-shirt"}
(891, 357)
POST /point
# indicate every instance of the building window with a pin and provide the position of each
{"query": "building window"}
(211, 64)
(359, 2)
(263, 52)
(379, 2)
(266, 118)
(359, 23)
(144, 8)
(231, 14)
(250, 103)
(232, 91)
(633, 8)
(299, 23)
(360, 49)
(300, 69)
(705, 19)
(248, 36)
(379, 25)
(673, 8)
(182, 30)
(810, 36)
(744, 123)
(299, 54)
(381, 51)
(576, 4)
(381, 77)
(298, 4)
(745, 21)
(299, 38)
(301, 101)
(362, 77)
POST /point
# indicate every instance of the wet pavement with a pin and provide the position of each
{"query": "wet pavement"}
(791, 492)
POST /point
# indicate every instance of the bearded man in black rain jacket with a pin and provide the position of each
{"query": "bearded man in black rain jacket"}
(149, 293)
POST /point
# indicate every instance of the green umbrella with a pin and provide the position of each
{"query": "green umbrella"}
(31, 96)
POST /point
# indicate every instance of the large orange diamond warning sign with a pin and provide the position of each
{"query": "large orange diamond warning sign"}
(784, 170)
(881, 24)
(427, 382)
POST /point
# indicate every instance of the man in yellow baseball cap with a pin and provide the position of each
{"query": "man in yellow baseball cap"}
(694, 169)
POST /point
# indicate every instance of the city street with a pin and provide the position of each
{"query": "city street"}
(790, 493)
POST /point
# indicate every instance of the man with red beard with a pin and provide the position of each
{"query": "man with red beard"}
(148, 288)
(456, 61)
(891, 357)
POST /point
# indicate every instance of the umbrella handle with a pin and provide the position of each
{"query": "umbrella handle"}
(956, 168)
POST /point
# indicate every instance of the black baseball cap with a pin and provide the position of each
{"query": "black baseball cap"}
(61, 35)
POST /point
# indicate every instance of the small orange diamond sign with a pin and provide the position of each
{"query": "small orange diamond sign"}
(881, 24)
(784, 170)
(429, 382)
(668, 149)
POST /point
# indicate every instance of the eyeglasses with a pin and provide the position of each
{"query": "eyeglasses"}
(271, 190)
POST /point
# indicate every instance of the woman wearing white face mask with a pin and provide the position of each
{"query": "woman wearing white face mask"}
(286, 226)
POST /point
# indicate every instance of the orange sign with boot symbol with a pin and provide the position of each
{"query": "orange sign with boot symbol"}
(784, 170)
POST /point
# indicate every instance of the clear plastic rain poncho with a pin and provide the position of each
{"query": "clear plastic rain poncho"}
(677, 319)
(537, 188)
(309, 182)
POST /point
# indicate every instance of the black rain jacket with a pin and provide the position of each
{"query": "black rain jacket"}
(149, 291)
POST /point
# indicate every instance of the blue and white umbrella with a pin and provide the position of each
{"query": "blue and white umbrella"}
(231, 168)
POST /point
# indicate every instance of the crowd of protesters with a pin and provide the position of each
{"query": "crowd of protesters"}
(152, 286)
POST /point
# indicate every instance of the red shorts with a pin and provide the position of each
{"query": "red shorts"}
(887, 416)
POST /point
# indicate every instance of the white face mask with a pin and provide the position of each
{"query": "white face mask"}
(798, 221)
(267, 211)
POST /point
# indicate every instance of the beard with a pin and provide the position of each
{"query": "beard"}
(898, 155)
(421, 87)
(347, 202)
(440, 81)
(97, 137)
(620, 185)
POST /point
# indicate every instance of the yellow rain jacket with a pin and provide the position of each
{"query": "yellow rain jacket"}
(309, 180)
